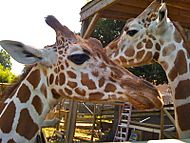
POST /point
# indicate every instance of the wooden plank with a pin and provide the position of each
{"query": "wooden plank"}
(169, 116)
(71, 121)
(91, 26)
(147, 129)
(136, 3)
(101, 5)
(145, 124)
(161, 136)
(89, 5)
(93, 124)
(85, 24)
(125, 8)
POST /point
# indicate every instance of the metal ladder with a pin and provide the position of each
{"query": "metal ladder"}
(123, 124)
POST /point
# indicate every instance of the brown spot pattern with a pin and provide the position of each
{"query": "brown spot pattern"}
(62, 67)
(122, 59)
(68, 91)
(140, 45)
(34, 78)
(51, 78)
(180, 66)
(117, 72)
(44, 90)
(37, 103)
(149, 44)
(177, 37)
(110, 88)
(140, 54)
(164, 65)
(80, 91)
(23, 93)
(183, 118)
(130, 52)
(156, 56)
(95, 96)
(72, 84)
(158, 47)
(86, 81)
(147, 57)
(101, 82)
(95, 73)
(182, 90)
(61, 78)
(168, 49)
(71, 74)
(11, 141)
(26, 126)
(55, 94)
(6, 120)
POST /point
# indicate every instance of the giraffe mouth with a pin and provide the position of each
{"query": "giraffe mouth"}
(143, 95)
(143, 101)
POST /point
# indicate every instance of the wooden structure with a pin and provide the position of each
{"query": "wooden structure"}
(124, 9)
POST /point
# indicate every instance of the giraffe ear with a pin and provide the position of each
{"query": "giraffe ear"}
(162, 17)
(25, 54)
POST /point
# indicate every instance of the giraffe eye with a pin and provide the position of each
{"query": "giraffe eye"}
(131, 32)
(78, 58)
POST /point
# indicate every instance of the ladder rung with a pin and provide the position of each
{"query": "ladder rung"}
(120, 138)
(124, 125)
(126, 114)
(124, 133)
(128, 109)
(124, 120)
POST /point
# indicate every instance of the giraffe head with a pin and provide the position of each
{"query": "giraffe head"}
(79, 69)
(142, 37)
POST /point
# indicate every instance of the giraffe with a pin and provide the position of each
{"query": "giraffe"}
(152, 37)
(71, 68)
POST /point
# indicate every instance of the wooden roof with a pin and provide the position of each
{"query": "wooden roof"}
(179, 10)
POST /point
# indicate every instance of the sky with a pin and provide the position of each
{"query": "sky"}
(23, 20)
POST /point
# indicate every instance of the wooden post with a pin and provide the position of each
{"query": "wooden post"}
(161, 136)
(91, 26)
(85, 24)
(71, 121)
(93, 124)
(169, 116)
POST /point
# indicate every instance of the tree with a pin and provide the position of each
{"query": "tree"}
(106, 30)
(6, 76)
(5, 59)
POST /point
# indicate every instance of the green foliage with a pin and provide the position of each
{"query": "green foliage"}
(6, 76)
(152, 73)
(5, 59)
(107, 30)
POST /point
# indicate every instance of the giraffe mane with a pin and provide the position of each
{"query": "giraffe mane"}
(182, 34)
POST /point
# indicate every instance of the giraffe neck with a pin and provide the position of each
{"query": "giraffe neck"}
(26, 108)
(174, 58)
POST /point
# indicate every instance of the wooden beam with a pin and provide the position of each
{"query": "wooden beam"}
(147, 129)
(85, 24)
(71, 121)
(101, 5)
(169, 116)
(93, 124)
(161, 136)
(91, 26)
